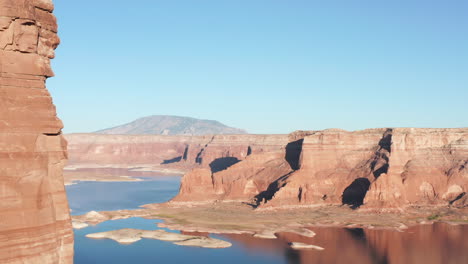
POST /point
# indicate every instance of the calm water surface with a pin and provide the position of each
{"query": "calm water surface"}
(427, 244)
(108, 196)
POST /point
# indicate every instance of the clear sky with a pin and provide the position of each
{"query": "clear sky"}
(268, 66)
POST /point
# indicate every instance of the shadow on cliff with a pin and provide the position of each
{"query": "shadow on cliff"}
(178, 158)
(293, 157)
(293, 153)
(221, 164)
(354, 194)
(268, 194)
(382, 155)
(173, 160)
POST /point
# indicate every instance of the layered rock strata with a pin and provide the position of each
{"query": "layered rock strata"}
(181, 152)
(381, 168)
(35, 225)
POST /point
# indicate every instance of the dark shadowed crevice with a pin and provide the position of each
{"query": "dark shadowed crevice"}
(221, 164)
(386, 141)
(380, 164)
(293, 153)
(249, 151)
(292, 156)
(184, 156)
(268, 194)
(461, 195)
(173, 160)
(381, 170)
(354, 194)
(199, 158)
(299, 195)
(52, 134)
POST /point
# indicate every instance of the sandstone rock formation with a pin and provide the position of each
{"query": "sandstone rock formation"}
(35, 225)
(241, 181)
(381, 168)
(180, 152)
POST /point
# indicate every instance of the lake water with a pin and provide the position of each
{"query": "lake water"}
(109, 196)
(428, 244)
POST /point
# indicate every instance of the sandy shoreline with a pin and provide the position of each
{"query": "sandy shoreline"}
(238, 218)
(75, 174)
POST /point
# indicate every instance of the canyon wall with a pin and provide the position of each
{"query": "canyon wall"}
(35, 224)
(160, 152)
(378, 168)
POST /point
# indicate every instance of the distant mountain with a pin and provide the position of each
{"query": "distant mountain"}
(172, 125)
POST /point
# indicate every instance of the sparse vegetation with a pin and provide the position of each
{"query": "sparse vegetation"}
(434, 217)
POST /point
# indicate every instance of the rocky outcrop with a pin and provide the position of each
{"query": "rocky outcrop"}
(35, 225)
(159, 152)
(380, 168)
(241, 181)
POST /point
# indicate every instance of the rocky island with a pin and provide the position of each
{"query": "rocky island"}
(128, 236)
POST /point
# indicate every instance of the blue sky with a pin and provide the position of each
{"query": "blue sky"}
(268, 66)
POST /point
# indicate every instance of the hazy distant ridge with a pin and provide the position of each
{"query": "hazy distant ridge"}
(172, 125)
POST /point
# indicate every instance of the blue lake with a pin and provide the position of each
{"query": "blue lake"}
(110, 196)
(428, 244)
(100, 196)
(154, 251)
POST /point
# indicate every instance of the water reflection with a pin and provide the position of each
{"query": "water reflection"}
(429, 244)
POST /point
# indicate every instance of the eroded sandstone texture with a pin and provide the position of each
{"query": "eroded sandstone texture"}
(380, 168)
(35, 224)
(180, 152)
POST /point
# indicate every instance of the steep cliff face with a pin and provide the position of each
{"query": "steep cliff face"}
(181, 152)
(241, 181)
(35, 224)
(426, 166)
(379, 168)
(330, 161)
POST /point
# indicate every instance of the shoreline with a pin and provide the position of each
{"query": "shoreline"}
(238, 217)
(211, 218)
(76, 174)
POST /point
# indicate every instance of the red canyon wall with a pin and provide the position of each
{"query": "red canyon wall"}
(378, 167)
(180, 152)
(35, 223)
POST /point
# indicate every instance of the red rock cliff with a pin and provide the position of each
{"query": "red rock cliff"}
(376, 167)
(182, 152)
(35, 223)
